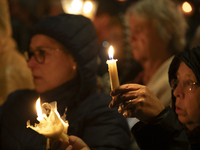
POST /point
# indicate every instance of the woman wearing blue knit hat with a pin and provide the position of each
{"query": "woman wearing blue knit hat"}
(63, 60)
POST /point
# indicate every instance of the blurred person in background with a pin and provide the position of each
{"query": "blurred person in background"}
(157, 32)
(105, 18)
(111, 29)
(196, 38)
(107, 12)
(127, 67)
(63, 61)
(14, 72)
(25, 13)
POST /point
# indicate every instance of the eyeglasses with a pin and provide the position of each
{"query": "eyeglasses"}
(185, 85)
(40, 54)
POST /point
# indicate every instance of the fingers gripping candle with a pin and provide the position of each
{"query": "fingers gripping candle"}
(112, 68)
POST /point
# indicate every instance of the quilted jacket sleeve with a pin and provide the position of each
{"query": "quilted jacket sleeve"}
(105, 128)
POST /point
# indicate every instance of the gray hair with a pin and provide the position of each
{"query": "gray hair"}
(167, 18)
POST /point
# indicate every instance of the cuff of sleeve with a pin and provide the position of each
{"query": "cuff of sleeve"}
(159, 131)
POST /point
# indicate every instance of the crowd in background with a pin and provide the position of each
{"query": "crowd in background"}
(145, 37)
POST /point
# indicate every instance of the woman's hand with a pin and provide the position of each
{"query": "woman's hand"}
(136, 100)
(74, 143)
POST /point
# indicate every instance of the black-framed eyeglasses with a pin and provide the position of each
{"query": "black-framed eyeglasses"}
(40, 54)
(185, 85)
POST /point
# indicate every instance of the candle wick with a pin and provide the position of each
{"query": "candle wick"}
(110, 58)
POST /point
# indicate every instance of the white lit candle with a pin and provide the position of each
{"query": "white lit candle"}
(112, 68)
(50, 124)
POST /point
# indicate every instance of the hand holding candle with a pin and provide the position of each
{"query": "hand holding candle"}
(112, 68)
(51, 125)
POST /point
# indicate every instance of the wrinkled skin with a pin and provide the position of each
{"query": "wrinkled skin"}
(136, 101)
(187, 102)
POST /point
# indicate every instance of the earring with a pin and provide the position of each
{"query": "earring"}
(74, 67)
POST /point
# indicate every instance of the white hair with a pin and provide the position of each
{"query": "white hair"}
(168, 19)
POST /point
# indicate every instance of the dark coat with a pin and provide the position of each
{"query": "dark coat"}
(192, 59)
(164, 133)
(92, 120)
(88, 113)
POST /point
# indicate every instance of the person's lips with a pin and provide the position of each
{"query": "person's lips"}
(179, 110)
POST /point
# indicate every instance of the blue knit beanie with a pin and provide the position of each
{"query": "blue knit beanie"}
(74, 32)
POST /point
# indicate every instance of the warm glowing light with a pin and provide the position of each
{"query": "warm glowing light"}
(112, 68)
(76, 6)
(50, 124)
(87, 7)
(111, 52)
(39, 111)
(186, 7)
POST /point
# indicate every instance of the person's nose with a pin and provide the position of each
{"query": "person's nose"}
(32, 62)
(178, 91)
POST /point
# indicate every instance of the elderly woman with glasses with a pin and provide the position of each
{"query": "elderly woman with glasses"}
(63, 61)
(160, 127)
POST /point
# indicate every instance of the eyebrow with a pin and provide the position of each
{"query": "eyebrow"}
(40, 47)
(186, 76)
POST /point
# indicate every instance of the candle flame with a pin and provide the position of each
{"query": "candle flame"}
(111, 52)
(39, 110)
(50, 124)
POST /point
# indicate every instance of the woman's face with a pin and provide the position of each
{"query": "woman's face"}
(58, 67)
(187, 101)
(144, 39)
